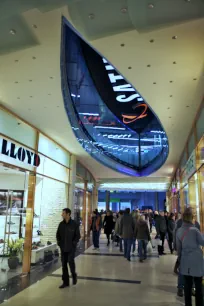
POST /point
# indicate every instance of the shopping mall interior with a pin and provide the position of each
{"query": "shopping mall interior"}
(101, 111)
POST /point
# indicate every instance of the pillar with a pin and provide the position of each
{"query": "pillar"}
(95, 196)
(107, 200)
(72, 181)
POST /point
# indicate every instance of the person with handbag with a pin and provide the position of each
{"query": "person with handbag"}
(189, 241)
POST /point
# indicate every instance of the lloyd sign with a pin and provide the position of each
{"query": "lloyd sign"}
(18, 153)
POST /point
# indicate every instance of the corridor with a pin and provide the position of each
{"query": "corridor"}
(106, 278)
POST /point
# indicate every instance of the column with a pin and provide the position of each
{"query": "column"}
(72, 180)
(156, 201)
(95, 196)
(107, 200)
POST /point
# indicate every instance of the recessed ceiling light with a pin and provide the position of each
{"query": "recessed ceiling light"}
(49, 94)
(51, 77)
(12, 32)
(174, 37)
(168, 107)
(187, 105)
(151, 40)
(170, 81)
(16, 61)
(129, 67)
(16, 82)
(148, 66)
(150, 5)
(19, 123)
(195, 79)
(31, 96)
(154, 83)
(122, 45)
(124, 10)
(18, 98)
(171, 96)
(169, 117)
(58, 106)
(33, 57)
(34, 26)
(188, 0)
(174, 63)
(29, 109)
(30, 80)
(91, 16)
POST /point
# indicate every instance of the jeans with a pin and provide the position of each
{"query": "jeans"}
(170, 242)
(68, 258)
(96, 235)
(134, 245)
(142, 245)
(162, 238)
(188, 285)
(127, 248)
(180, 281)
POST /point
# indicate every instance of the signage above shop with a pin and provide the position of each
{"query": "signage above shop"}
(190, 167)
(21, 154)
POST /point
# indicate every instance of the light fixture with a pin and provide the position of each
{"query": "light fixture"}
(51, 77)
(174, 63)
(129, 67)
(150, 5)
(171, 96)
(168, 107)
(31, 96)
(169, 117)
(34, 26)
(34, 58)
(18, 98)
(122, 45)
(49, 94)
(12, 32)
(148, 66)
(16, 61)
(89, 114)
(174, 37)
(124, 10)
(151, 40)
(91, 16)
(109, 127)
(187, 105)
(194, 79)
(170, 81)
(16, 82)
(154, 83)
(30, 80)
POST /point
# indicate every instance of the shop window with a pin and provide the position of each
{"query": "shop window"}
(200, 151)
(52, 150)
(191, 144)
(52, 169)
(17, 129)
(200, 125)
(194, 195)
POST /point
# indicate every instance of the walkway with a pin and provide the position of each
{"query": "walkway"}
(106, 278)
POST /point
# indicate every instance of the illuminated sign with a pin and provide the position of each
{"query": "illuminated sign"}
(124, 88)
(19, 153)
(131, 118)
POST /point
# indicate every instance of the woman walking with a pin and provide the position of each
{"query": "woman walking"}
(108, 224)
(188, 242)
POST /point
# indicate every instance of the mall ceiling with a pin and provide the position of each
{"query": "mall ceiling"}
(157, 45)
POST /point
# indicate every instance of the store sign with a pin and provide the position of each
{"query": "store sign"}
(21, 154)
(190, 167)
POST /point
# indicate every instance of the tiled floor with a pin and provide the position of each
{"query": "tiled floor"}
(108, 280)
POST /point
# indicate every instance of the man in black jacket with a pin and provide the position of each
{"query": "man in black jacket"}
(68, 236)
(161, 229)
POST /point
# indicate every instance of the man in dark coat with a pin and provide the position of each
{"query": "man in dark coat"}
(161, 228)
(127, 232)
(68, 236)
(108, 224)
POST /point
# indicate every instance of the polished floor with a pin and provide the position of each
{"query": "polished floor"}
(106, 278)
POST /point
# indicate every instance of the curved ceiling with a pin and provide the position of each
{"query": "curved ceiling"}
(163, 60)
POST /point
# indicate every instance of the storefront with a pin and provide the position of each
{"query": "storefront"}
(84, 198)
(34, 188)
(189, 189)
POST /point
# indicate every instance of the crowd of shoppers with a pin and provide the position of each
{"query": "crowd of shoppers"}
(183, 235)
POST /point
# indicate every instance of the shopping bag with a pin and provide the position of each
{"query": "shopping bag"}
(149, 248)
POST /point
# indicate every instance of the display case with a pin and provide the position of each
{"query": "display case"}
(13, 219)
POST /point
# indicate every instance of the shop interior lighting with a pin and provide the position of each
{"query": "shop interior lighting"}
(89, 114)
(109, 127)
